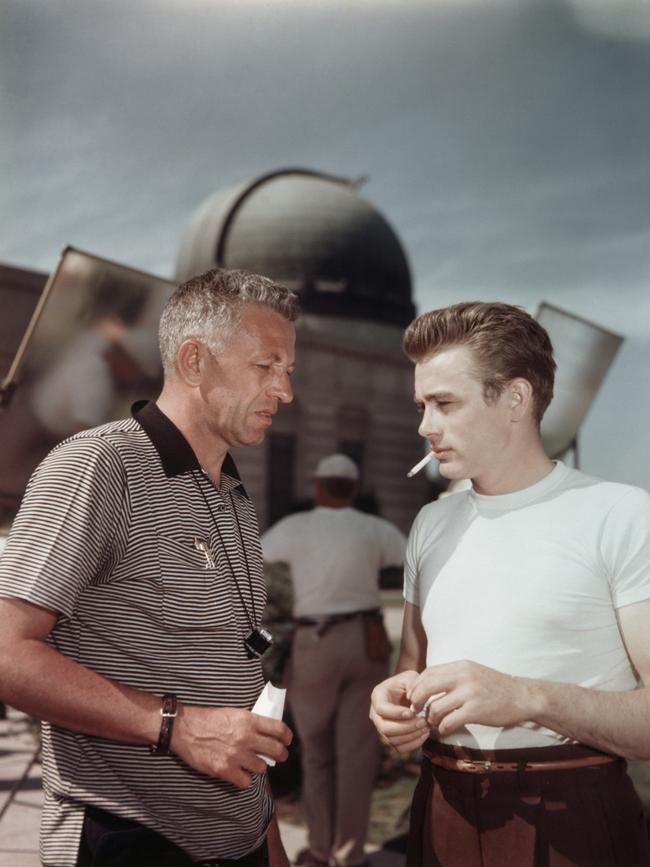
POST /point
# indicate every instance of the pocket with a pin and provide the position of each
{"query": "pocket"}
(196, 593)
(378, 646)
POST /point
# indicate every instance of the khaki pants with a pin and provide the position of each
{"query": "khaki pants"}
(330, 681)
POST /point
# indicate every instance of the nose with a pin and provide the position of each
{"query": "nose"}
(281, 388)
(430, 426)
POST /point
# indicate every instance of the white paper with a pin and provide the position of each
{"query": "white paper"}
(270, 703)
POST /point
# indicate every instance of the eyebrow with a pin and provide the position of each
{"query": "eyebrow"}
(435, 395)
(274, 358)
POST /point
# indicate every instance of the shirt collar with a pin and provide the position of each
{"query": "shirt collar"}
(176, 454)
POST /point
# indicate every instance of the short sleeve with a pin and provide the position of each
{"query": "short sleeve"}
(275, 542)
(393, 545)
(625, 548)
(71, 528)
(411, 593)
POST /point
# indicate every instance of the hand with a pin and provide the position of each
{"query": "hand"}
(224, 742)
(469, 693)
(390, 711)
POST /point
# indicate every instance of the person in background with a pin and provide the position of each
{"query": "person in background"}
(131, 591)
(524, 669)
(339, 652)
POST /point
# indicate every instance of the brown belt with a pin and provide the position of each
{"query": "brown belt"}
(325, 622)
(466, 766)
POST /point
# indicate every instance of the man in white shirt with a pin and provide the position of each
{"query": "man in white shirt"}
(340, 651)
(524, 652)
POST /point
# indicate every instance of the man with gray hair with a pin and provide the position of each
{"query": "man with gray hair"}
(131, 591)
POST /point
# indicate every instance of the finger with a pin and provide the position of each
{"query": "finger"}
(238, 777)
(409, 727)
(453, 721)
(253, 763)
(421, 692)
(386, 710)
(440, 707)
(408, 737)
(435, 678)
(273, 728)
(398, 683)
(431, 686)
(411, 745)
(271, 747)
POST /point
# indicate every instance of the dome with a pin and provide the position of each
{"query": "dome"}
(311, 232)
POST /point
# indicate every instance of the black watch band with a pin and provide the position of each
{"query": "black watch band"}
(168, 711)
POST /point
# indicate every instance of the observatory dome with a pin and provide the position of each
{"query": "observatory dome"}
(312, 232)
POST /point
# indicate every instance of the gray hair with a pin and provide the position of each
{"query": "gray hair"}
(208, 307)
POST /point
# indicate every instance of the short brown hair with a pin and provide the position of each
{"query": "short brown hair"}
(506, 341)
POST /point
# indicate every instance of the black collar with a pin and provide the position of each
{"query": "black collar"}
(176, 454)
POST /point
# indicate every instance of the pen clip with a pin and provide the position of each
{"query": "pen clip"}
(203, 548)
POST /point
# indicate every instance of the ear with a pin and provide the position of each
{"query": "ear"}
(520, 397)
(189, 362)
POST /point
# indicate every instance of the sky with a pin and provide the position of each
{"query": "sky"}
(506, 141)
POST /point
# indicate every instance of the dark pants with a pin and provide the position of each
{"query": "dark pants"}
(583, 817)
(110, 841)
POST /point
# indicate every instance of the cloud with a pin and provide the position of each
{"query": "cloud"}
(508, 143)
(622, 19)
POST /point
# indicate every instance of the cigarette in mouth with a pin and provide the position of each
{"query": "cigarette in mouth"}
(416, 469)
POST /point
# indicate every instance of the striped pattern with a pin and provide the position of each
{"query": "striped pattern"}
(106, 538)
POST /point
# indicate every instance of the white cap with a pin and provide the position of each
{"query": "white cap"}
(337, 467)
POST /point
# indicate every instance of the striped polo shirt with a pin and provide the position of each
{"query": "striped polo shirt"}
(157, 578)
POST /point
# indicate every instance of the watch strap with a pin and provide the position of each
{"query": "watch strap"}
(168, 712)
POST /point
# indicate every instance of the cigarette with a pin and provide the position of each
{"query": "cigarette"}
(416, 469)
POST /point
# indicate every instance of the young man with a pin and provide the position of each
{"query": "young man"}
(340, 651)
(524, 648)
(132, 591)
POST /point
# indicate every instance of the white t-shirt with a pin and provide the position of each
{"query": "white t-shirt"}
(528, 583)
(335, 556)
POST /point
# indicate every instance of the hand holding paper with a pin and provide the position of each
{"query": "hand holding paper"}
(270, 703)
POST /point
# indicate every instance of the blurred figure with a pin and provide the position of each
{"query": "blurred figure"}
(524, 669)
(76, 390)
(340, 650)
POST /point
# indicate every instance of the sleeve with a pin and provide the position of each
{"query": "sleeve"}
(393, 545)
(411, 593)
(625, 548)
(275, 543)
(72, 526)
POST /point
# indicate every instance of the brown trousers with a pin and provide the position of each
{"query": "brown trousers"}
(584, 817)
(329, 684)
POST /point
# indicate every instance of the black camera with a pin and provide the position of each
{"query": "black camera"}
(258, 642)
